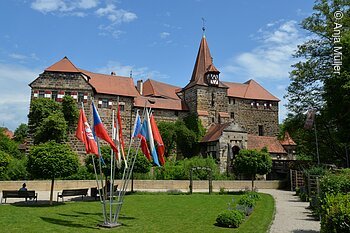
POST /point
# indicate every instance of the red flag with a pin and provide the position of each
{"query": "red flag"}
(310, 118)
(100, 130)
(85, 135)
(158, 139)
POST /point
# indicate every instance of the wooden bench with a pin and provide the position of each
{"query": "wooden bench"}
(19, 194)
(95, 194)
(72, 192)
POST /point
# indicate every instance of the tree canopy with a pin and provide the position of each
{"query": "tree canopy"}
(321, 80)
(252, 162)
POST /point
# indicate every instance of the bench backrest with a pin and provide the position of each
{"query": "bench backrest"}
(16, 193)
(72, 192)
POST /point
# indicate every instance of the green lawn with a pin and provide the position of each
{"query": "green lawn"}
(140, 213)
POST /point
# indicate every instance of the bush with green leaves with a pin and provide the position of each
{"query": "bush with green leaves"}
(248, 200)
(335, 213)
(180, 170)
(53, 128)
(17, 169)
(333, 183)
(70, 111)
(9, 146)
(40, 109)
(21, 133)
(230, 218)
(252, 162)
(4, 162)
(52, 160)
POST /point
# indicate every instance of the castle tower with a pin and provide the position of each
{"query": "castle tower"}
(205, 94)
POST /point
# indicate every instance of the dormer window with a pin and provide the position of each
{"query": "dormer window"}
(212, 79)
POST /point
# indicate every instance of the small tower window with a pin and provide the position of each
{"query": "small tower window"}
(261, 130)
(212, 79)
(212, 99)
(41, 94)
(54, 95)
(232, 115)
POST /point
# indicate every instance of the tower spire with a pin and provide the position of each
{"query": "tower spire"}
(203, 26)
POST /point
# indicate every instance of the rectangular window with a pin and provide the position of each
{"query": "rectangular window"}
(80, 97)
(211, 149)
(261, 130)
(232, 101)
(122, 107)
(104, 103)
(41, 94)
(232, 115)
(54, 95)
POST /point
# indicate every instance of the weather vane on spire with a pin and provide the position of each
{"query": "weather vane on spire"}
(203, 28)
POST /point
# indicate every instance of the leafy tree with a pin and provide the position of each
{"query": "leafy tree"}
(168, 132)
(186, 140)
(4, 162)
(194, 124)
(252, 162)
(21, 133)
(40, 109)
(314, 81)
(70, 111)
(53, 128)
(9, 146)
(51, 160)
(17, 169)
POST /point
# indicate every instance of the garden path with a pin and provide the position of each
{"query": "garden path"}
(292, 215)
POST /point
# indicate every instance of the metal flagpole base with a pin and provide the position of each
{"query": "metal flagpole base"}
(109, 225)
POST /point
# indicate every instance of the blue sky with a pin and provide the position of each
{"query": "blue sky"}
(158, 39)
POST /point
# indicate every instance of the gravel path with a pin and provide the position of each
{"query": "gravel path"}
(292, 215)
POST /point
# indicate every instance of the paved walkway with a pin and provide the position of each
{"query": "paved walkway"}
(292, 215)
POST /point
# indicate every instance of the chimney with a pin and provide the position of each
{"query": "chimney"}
(139, 86)
(113, 73)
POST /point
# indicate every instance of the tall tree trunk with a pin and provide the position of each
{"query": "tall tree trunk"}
(51, 193)
(253, 178)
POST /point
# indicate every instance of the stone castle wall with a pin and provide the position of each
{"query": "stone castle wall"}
(251, 116)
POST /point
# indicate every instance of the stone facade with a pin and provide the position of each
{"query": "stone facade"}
(213, 102)
(251, 114)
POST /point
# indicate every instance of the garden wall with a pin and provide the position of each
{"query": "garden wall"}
(145, 185)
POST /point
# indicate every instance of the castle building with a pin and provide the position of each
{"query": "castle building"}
(236, 115)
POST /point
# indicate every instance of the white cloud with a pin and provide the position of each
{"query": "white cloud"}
(53, 6)
(22, 57)
(272, 58)
(137, 72)
(83, 8)
(15, 94)
(164, 35)
(270, 61)
(116, 15)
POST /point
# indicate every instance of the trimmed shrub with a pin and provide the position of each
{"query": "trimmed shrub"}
(335, 213)
(230, 218)
(247, 200)
(335, 183)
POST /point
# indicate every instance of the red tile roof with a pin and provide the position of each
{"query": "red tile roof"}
(159, 89)
(259, 142)
(111, 84)
(64, 65)
(160, 103)
(249, 90)
(8, 133)
(202, 113)
(214, 132)
(287, 140)
(224, 114)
